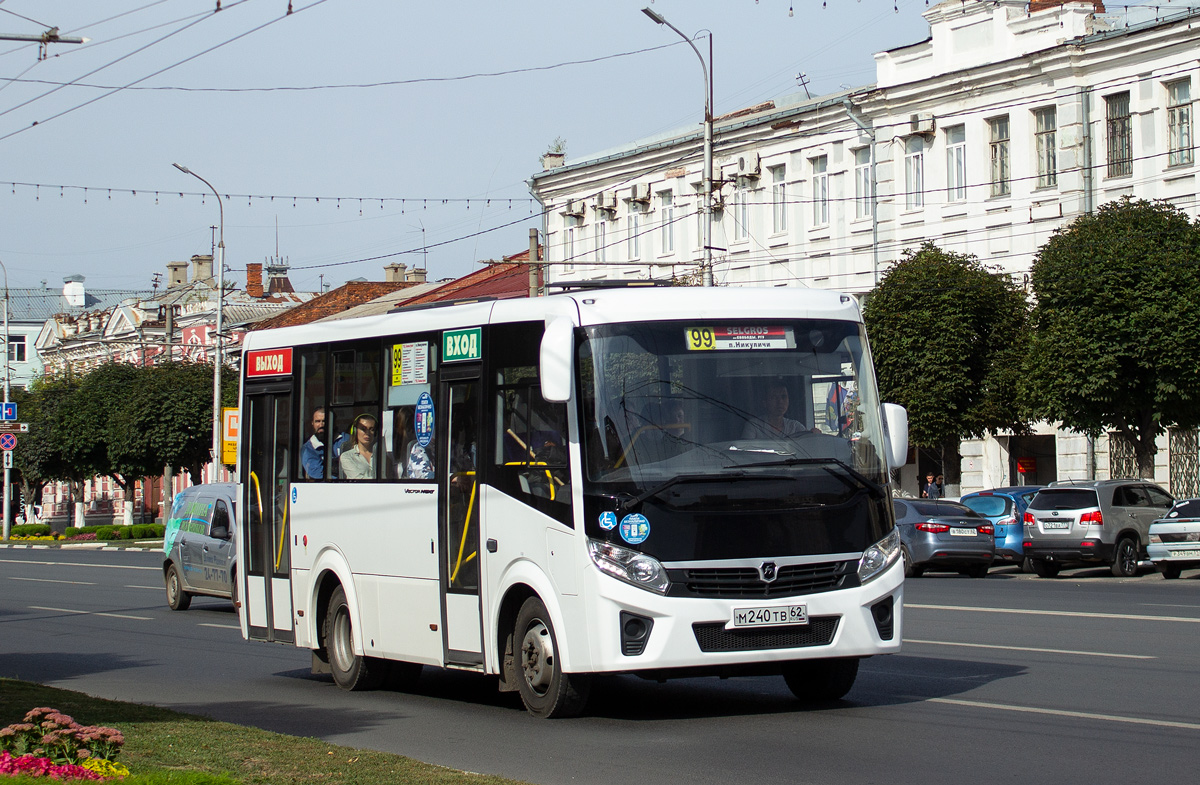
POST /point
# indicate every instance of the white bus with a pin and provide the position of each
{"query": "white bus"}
(659, 481)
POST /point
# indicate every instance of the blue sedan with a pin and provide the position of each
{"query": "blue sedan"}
(1005, 508)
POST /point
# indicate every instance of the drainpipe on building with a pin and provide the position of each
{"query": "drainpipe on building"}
(1085, 108)
(544, 266)
(851, 112)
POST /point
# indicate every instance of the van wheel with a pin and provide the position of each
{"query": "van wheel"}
(1171, 571)
(821, 680)
(1045, 569)
(546, 690)
(177, 598)
(1125, 561)
(350, 671)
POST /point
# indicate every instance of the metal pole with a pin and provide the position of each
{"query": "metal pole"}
(7, 510)
(658, 18)
(220, 261)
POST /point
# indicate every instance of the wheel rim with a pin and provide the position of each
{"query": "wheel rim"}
(341, 648)
(173, 587)
(537, 657)
(1128, 562)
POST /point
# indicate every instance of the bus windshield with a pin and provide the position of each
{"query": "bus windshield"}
(704, 414)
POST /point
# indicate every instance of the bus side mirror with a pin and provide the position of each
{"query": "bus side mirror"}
(895, 434)
(555, 371)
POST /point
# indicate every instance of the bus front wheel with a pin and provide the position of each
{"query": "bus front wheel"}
(821, 680)
(350, 671)
(546, 690)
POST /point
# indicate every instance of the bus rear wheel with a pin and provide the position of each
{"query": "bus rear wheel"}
(546, 690)
(815, 681)
(350, 671)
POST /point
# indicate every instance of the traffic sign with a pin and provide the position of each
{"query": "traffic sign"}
(8, 441)
(8, 459)
(8, 411)
(14, 427)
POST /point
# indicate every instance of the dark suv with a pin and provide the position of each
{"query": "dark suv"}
(1093, 522)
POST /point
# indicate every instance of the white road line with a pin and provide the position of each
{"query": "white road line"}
(91, 613)
(220, 626)
(1087, 715)
(1077, 614)
(77, 564)
(1031, 648)
(155, 588)
(50, 580)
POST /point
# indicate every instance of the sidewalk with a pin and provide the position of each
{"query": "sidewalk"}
(94, 545)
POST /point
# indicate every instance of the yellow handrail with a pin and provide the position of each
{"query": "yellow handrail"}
(282, 532)
(462, 546)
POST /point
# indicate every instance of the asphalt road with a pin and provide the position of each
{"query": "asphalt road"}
(1086, 678)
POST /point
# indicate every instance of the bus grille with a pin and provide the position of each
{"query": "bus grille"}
(712, 636)
(744, 581)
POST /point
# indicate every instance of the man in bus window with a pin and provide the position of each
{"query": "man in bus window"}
(772, 424)
(312, 453)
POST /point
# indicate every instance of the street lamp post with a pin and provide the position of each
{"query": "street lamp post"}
(7, 509)
(217, 358)
(708, 140)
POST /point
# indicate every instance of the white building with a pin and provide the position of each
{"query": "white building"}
(1007, 123)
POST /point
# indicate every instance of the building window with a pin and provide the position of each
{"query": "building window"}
(778, 200)
(1179, 122)
(1046, 135)
(633, 229)
(601, 242)
(741, 214)
(1120, 135)
(667, 226)
(16, 348)
(1001, 174)
(862, 182)
(914, 172)
(820, 194)
(569, 250)
(956, 163)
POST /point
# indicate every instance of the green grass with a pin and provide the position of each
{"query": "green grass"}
(164, 747)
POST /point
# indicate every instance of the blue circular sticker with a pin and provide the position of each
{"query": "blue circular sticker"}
(608, 520)
(293, 494)
(635, 529)
(423, 416)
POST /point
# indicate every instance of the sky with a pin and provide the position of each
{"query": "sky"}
(351, 134)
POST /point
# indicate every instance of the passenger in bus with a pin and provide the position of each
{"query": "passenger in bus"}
(312, 453)
(412, 461)
(772, 424)
(358, 462)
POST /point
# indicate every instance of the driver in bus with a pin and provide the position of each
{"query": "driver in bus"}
(772, 424)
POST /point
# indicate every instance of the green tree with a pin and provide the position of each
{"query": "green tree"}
(1117, 325)
(48, 450)
(946, 333)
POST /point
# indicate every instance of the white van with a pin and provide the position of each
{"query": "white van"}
(199, 545)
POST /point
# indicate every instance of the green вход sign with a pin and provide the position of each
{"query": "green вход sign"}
(462, 345)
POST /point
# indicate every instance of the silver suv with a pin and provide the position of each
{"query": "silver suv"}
(1093, 522)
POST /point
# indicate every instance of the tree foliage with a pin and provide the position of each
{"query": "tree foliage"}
(1117, 324)
(946, 333)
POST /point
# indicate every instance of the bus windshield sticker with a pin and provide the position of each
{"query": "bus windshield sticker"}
(410, 363)
(460, 345)
(608, 520)
(739, 338)
(423, 425)
(635, 528)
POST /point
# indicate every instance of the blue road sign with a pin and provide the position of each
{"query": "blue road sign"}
(8, 411)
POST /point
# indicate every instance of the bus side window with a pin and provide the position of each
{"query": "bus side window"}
(353, 421)
(314, 425)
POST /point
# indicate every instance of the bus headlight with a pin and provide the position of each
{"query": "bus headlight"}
(879, 557)
(641, 570)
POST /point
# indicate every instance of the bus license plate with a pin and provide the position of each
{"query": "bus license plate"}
(770, 616)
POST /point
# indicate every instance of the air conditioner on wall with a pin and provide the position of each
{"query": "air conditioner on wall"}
(748, 165)
(573, 209)
(920, 123)
(640, 193)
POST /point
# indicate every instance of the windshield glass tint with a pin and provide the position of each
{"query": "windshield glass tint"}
(933, 509)
(704, 397)
(1064, 499)
(1188, 508)
(989, 505)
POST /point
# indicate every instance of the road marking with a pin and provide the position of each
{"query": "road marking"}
(1031, 648)
(50, 580)
(77, 564)
(220, 626)
(155, 588)
(91, 613)
(1077, 614)
(1087, 715)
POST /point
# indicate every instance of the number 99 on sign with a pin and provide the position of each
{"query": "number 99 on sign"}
(700, 338)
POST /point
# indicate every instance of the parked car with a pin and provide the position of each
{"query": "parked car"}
(1092, 522)
(936, 534)
(1005, 508)
(199, 545)
(1175, 539)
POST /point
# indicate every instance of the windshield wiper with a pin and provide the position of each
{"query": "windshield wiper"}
(629, 504)
(824, 463)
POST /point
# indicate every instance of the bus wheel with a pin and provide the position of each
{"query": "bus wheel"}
(546, 691)
(821, 680)
(350, 671)
(177, 598)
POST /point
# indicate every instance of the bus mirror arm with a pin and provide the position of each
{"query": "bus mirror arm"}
(555, 360)
(895, 433)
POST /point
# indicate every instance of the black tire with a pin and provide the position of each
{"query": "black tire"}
(350, 671)
(177, 598)
(1171, 571)
(1125, 558)
(1045, 569)
(976, 571)
(1026, 564)
(910, 570)
(546, 690)
(821, 680)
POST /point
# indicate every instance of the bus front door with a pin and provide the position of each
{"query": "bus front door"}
(459, 516)
(265, 551)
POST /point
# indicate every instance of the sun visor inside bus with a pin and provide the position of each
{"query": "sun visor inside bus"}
(556, 360)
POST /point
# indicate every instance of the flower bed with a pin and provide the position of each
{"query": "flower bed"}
(51, 744)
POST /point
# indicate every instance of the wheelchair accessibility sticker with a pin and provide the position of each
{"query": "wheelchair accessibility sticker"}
(608, 520)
